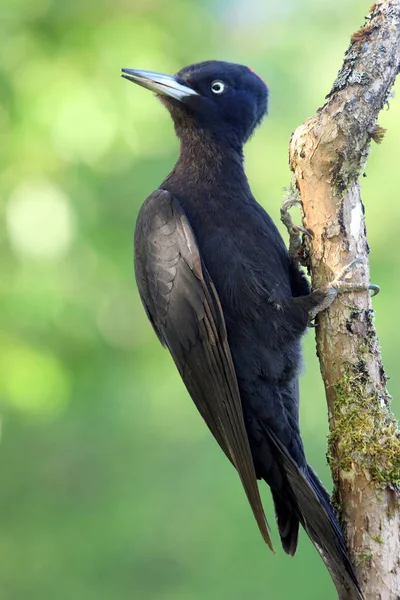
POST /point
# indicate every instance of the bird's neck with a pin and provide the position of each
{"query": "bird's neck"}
(210, 161)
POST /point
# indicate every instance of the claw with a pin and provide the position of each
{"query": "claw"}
(338, 286)
(375, 289)
(343, 271)
(300, 229)
(295, 231)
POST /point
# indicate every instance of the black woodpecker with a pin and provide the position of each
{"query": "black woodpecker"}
(230, 303)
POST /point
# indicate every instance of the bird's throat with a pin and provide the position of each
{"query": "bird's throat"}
(205, 159)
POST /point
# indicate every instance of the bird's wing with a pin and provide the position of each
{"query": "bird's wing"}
(183, 307)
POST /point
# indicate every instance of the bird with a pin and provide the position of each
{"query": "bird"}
(231, 304)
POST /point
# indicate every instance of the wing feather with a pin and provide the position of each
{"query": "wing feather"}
(184, 309)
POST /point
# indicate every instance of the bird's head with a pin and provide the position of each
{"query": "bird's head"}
(219, 98)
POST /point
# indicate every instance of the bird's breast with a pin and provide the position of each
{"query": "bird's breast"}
(247, 265)
(239, 245)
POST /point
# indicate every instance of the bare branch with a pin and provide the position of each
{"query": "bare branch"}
(327, 155)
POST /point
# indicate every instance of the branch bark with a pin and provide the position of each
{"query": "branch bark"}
(327, 155)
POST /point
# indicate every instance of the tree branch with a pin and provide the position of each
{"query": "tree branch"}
(327, 155)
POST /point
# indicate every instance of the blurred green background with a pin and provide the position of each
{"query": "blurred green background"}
(111, 485)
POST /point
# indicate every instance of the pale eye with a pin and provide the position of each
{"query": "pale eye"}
(218, 87)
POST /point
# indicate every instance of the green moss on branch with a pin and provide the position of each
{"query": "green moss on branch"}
(365, 434)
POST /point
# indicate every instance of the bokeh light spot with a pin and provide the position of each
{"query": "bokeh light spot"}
(33, 381)
(40, 221)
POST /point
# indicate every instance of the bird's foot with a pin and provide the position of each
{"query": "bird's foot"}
(295, 231)
(326, 294)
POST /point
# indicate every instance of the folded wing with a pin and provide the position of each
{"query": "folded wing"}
(183, 307)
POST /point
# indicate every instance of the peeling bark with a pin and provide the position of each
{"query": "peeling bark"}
(327, 155)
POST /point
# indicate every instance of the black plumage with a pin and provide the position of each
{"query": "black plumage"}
(227, 300)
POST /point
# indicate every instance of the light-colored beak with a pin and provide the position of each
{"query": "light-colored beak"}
(166, 85)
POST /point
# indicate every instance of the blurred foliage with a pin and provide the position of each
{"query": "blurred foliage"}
(112, 486)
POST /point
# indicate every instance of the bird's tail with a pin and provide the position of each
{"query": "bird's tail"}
(309, 502)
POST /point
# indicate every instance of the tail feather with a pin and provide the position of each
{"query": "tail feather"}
(310, 504)
(288, 524)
